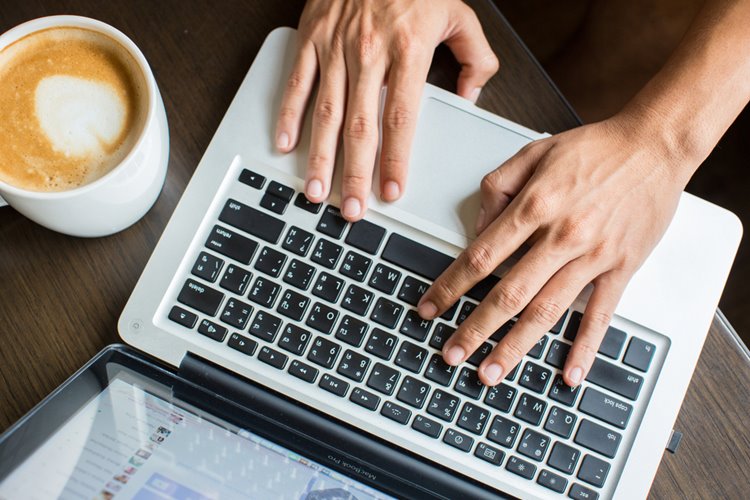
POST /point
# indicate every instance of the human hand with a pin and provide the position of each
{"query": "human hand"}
(592, 203)
(357, 47)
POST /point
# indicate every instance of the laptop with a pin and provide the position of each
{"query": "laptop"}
(274, 341)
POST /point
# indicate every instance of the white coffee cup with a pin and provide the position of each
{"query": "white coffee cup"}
(123, 195)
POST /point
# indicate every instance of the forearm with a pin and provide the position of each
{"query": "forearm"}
(705, 84)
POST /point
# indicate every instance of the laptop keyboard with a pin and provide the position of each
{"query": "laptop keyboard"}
(333, 305)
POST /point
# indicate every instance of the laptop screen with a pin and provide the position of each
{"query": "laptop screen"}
(128, 442)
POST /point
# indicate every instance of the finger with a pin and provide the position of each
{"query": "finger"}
(608, 289)
(538, 317)
(499, 187)
(473, 52)
(405, 84)
(294, 102)
(328, 116)
(505, 300)
(366, 73)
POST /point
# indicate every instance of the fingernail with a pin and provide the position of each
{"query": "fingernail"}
(352, 207)
(282, 141)
(493, 372)
(391, 191)
(454, 355)
(480, 219)
(475, 94)
(428, 310)
(314, 188)
(575, 375)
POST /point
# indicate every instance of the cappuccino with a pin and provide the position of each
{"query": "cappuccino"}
(73, 103)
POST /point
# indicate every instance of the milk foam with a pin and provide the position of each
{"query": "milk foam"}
(80, 117)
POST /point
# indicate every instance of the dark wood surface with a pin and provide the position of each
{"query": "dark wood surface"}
(61, 296)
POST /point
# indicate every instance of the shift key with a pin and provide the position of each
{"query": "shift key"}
(252, 221)
(201, 297)
(616, 379)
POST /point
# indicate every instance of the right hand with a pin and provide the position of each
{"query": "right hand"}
(358, 46)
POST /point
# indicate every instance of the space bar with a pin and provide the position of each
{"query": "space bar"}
(415, 257)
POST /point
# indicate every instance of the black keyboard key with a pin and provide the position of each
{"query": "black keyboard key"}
(552, 481)
(521, 467)
(355, 266)
(560, 422)
(299, 274)
(364, 398)
(413, 392)
(270, 261)
(440, 372)
(580, 492)
(265, 326)
(264, 292)
(333, 385)
(557, 327)
(616, 379)
(207, 266)
(562, 392)
(533, 445)
(503, 431)
(489, 454)
(328, 287)
(212, 330)
(381, 343)
(606, 408)
(293, 305)
(252, 179)
(236, 313)
(303, 371)
(324, 352)
(383, 379)
(273, 357)
(468, 383)
(639, 354)
(354, 365)
(280, 191)
(593, 470)
(412, 290)
(500, 397)
(441, 333)
(322, 317)
(512, 374)
(252, 221)
(352, 331)
(273, 203)
(366, 236)
(331, 223)
(613, 340)
(443, 405)
(501, 332)
(450, 312)
(538, 349)
(458, 440)
(466, 309)
(530, 409)
(294, 339)
(411, 357)
(564, 458)
(243, 344)
(427, 426)
(480, 354)
(200, 297)
(414, 326)
(326, 253)
(386, 313)
(415, 257)
(557, 354)
(479, 291)
(302, 202)
(183, 317)
(357, 300)
(473, 418)
(236, 279)
(395, 412)
(233, 245)
(384, 278)
(535, 377)
(298, 241)
(598, 438)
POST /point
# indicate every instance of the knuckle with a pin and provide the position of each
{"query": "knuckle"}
(398, 119)
(365, 47)
(326, 112)
(490, 64)
(472, 335)
(534, 208)
(585, 349)
(354, 181)
(288, 114)
(442, 291)
(546, 312)
(296, 82)
(512, 350)
(572, 232)
(407, 46)
(491, 182)
(509, 296)
(318, 160)
(393, 162)
(359, 128)
(479, 258)
(598, 320)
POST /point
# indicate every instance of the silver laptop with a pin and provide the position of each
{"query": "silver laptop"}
(251, 278)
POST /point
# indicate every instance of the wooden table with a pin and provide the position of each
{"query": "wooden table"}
(61, 296)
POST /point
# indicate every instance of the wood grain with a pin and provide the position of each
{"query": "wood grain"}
(61, 296)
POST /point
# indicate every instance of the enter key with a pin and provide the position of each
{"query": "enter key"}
(605, 407)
